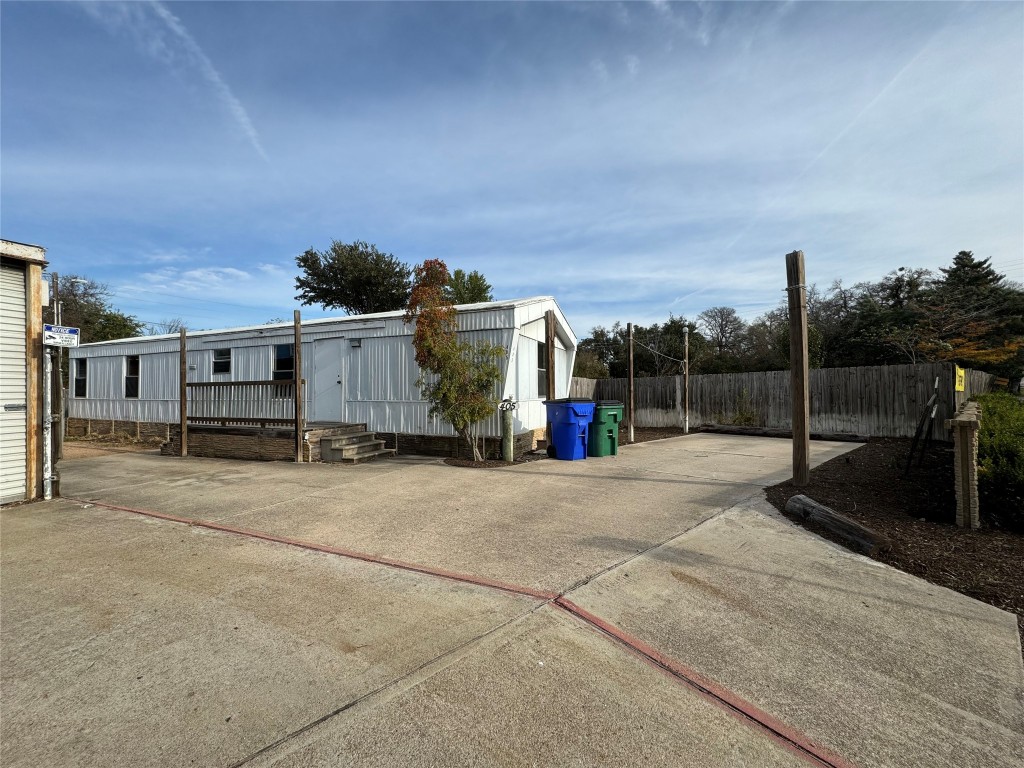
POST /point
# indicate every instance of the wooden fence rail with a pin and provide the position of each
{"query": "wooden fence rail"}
(881, 401)
(242, 403)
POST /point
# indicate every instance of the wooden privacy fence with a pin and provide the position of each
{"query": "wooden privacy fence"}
(880, 401)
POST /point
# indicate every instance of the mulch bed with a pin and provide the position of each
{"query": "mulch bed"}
(526, 458)
(646, 434)
(917, 513)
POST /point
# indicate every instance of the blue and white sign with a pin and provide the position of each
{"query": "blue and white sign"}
(60, 336)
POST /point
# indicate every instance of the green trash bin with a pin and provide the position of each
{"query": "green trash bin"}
(604, 429)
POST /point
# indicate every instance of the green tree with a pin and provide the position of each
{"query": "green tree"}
(470, 288)
(588, 365)
(458, 379)
(972, 315)
(355, 277)
(86, 304)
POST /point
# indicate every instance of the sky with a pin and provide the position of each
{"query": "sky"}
(633, 160)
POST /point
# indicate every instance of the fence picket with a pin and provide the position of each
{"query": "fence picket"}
(882, 401)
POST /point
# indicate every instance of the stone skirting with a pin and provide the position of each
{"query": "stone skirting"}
(451, 446)
(278, 444)
(138, 430)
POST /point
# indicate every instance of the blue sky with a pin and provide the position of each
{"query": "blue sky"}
(631, 159)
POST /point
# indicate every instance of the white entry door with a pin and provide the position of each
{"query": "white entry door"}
(328, 389)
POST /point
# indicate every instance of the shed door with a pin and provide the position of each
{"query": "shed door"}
(13, 385)
(327, 386)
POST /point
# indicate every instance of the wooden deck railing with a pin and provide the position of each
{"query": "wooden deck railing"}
(242, 403)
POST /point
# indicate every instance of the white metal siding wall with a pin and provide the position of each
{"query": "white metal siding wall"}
(13, 384)
(379, 376)
(380, 385)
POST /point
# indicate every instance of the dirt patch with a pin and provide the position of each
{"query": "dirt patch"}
(103, 445)
(917, 513)
(526, 458)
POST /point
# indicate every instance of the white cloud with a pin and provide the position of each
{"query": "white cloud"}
(632, 64)
(161, 35)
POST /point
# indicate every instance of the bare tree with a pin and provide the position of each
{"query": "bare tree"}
(723, 328)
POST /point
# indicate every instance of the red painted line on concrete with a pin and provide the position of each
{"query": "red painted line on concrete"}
(465, 578)
(743, 710)
(780, 732)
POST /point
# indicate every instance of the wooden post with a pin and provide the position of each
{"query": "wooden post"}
(34, 391)
(297, 362)
(182, 393)
(686, 380)
(631, 405)
(797, 292)
(549, 340)
(549, 343)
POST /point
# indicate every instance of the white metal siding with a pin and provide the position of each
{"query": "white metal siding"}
(378, 377)
(13, 384)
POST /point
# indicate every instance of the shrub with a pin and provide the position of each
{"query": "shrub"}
(1001, 460)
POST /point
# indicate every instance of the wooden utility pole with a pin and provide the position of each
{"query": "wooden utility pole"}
(549, 363)
(549, 341)
(297, 363)
(686, 380)
(182, 393)
(796, 290)
(631, 405)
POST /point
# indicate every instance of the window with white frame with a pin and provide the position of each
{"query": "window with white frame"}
(542, 370)
(131, 376)
(81, 377)
(222, 361)
(284, 362)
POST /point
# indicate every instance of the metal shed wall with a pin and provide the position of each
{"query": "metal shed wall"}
(13, 384)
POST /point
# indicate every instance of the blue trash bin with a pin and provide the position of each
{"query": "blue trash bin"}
(570, 424)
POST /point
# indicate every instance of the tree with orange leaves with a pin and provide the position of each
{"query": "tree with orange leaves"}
(458, 379)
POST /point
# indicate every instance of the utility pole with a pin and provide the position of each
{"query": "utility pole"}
(686, 380)
(58, 388)
(796, 289)
(183, 392)
(629, 382)
(300, 431)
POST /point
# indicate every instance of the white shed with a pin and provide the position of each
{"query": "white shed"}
(21, 406)
(358, 369)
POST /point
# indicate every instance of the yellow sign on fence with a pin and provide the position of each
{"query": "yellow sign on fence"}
(961, 379)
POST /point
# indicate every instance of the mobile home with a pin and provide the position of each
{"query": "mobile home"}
(358, 369)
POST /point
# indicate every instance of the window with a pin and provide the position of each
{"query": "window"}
(284, 362)
(222, 361)
(542, 369)
(131, 376)
(81, 367)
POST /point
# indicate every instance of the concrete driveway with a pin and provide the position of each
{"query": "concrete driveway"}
(644, 609)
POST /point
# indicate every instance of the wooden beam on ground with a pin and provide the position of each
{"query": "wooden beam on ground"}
(297, 362)
(796, 289)
(864, 539)
(183, 392)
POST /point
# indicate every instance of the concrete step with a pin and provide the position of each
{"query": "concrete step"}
(337, 441)
(355, 449)
(378, 454)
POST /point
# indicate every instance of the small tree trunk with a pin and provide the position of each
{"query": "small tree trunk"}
(467, 434)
